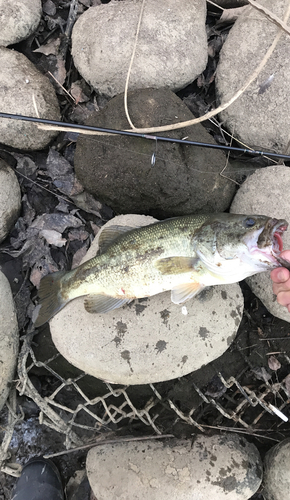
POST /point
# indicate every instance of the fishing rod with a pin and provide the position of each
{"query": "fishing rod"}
(74, 126)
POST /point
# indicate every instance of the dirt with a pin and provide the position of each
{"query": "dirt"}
(258, 358)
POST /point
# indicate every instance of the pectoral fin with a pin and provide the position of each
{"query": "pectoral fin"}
(103, 303)
(181, 293)
(176, 265)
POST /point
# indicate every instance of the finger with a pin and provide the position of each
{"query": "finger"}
(280, 275)
(281, 287)
(283, 298)
(285, 255)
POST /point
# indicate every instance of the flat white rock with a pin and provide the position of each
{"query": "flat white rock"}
(223, 467)
(171, 49)
(9, 339)
(265, 193)
(276, 480)
(18, 20)
(149, 340)
(25, 91)
(10, 199)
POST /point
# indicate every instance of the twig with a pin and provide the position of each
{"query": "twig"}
(215, 5)
(130, 66)
(270, 16)
(62, 87)
(224, 106)
(109, 441)
(240, 431)
(210, 114)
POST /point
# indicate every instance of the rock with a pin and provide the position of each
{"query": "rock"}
(171, 49)
(276, 480)
(260, 117)
(9, 339)
(262, 193)
(10, 199)
(20, 83)
(149, 340)
(18, 20)
(119, 172)
(220, 467)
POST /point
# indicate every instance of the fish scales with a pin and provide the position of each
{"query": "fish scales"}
(182, 254)
(129, 260)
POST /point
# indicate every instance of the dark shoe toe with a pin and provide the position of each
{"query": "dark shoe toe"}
(39, 480)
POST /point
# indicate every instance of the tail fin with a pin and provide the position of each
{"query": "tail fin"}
(51, 299)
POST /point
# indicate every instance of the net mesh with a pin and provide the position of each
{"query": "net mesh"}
(69, 410)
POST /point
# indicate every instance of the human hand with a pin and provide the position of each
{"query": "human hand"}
(281, 282)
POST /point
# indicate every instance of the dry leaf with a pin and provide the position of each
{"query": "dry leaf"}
(78, 256)
(230, 15)
(287, 383)
(50, 48)
(53, 237)
(77, 92)
(273, 363)
(261, 374)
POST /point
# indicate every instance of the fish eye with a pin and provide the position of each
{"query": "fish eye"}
(249, 222)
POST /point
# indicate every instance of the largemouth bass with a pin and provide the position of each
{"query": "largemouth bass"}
(182, 254)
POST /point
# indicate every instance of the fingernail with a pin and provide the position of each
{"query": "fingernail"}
(281, 276)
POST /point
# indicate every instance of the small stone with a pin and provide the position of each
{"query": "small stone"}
(18, 20)
(263, 194)
(119, 171)
(171, 49)
(276, 480)
(260, 117)
(9, 339)
(10, 199)
(218, 467)
(22, 88)
(149, 340)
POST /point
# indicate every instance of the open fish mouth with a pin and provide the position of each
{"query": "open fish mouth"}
(270, 240)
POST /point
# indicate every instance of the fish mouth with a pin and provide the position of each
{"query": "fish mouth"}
(270, 239)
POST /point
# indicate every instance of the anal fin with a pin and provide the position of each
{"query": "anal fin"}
(103, 303)
(181, 293)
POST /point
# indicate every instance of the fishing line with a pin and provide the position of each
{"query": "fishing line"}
(96, 130)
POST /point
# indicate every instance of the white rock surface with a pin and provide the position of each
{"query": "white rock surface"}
(20, 84)
(18, 19)
(264, 193)
(10, 199)
(276, 479)
(149, 340)
(260, 117)
(171, 50)
(217, 467)
(9, 339)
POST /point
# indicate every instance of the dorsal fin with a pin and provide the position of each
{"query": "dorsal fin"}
(110, 234)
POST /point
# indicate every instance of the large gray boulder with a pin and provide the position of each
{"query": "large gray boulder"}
(276, 480)
(18, 20)
(149, 340)
(265, 193)
(9, 339)
(171, 49)
(219, 467)
(10, 199)
(260, 117)
(119, 171)
(22, 88)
